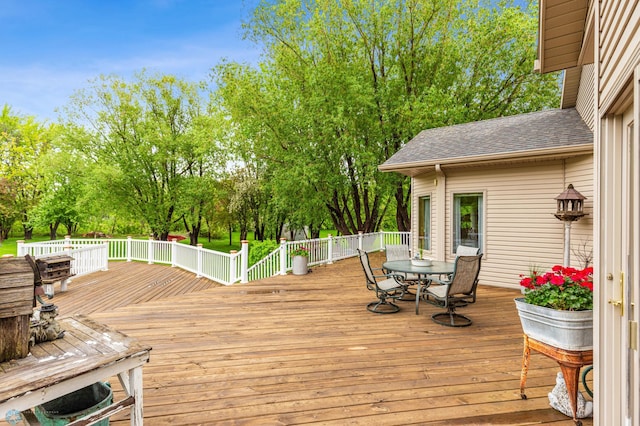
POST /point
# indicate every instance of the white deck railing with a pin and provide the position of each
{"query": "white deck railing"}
(225, 268)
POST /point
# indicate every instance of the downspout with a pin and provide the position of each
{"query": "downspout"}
(440, 184)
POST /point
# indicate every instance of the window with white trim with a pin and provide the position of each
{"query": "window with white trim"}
(468, 221)
(424, 227)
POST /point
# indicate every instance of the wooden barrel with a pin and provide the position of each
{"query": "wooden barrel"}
(16, 307)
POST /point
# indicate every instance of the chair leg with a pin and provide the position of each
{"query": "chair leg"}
(407, 295)
(383, 307)
(451, 318)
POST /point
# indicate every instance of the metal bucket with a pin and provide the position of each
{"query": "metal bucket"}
(70, 407)
(299, 265)
(570, 330)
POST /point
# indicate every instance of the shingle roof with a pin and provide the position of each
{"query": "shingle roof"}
(523, 133)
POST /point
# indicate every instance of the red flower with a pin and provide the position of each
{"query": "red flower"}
(526, 282)
(557, 280)
(587, 284)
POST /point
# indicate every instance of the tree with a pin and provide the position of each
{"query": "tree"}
(150, 141)
(246, 202)
(345, 84)
(23, 144)
(63, 183)
(7, 202)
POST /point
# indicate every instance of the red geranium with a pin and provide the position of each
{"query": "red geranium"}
(562, 288)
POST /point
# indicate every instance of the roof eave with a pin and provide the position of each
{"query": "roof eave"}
(562, 35)
(415, 168)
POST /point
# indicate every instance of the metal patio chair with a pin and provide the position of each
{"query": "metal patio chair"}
(401, 252)
(464, 251)
(458, 291)
(386, 286)
(467, 251)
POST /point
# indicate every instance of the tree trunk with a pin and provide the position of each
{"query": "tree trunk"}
(243, 231)
(53, 230)
(403, 221)
(194, 234)
(28, 232)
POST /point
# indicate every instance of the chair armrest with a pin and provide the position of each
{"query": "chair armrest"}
(394, 276)
(439, 281)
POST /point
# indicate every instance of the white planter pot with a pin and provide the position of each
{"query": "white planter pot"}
(300, 265)
(569, 330)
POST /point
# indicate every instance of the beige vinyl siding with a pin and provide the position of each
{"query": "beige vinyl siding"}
(520, 230)
(423, 186)
(579, 172)
(584, 103)
(619, 48)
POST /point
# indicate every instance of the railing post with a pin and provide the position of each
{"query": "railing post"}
(129, 238)
(244, 258)
(21, 248)
(150, 251)
(383, 240)
(174, 252)
(105, 257)
(360, 237)
(330, 249)
(232, 266)
(67, 250)
(283, 256)
(199, 267)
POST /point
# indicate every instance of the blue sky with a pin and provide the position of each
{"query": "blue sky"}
(51, 48)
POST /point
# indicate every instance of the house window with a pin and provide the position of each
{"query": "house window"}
(424, 227)
(468, 221)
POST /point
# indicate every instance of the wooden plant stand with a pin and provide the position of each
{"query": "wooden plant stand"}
(570, 364)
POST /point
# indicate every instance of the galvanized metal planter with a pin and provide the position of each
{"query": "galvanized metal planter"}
(299, 266)
(570, 330)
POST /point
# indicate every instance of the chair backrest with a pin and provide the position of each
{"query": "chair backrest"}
(368, 272)
(467, 251)
(397, 252)
(465, 274)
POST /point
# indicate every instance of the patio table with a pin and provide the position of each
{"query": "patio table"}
(437, 268)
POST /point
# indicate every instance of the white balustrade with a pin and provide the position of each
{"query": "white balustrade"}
(92, 255)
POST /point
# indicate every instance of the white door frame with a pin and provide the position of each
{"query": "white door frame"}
(617, 265)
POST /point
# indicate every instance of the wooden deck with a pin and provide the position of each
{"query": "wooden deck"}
(303, 349)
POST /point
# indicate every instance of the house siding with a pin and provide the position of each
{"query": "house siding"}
(619, 49)
(423, 187)
(579, 173)
(585, 101)
(520, 230)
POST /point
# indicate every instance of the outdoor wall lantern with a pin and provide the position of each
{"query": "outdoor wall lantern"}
(570, 209)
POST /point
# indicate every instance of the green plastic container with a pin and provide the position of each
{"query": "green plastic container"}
(70, 407)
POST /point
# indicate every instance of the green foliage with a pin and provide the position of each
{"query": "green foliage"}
(344, 85)
(258, 250)
(151, 144)
(562, 288)
(24, 144)
(300, 251)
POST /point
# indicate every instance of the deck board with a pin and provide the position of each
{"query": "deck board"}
(303, 349)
